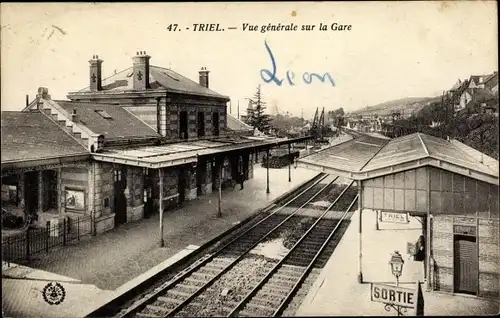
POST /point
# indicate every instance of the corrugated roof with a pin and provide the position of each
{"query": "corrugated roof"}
(159, 78)
(364, 155)
(351, 155)
(478, 156)
(112, 121)
(32, 136)
(396, 151)
(447, 151)
(178, 153)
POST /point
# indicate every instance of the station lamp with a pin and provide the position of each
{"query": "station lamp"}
(396, 263)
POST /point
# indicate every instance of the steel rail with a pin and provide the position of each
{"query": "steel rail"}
(137, 305)
(275, 268)
(237, 260)
(296, 287)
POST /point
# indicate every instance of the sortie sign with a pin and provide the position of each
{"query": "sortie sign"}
(397, 296)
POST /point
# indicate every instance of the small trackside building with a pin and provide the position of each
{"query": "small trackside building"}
(448, 187)
(40, 164)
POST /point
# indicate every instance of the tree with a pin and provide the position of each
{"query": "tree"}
(258, 119)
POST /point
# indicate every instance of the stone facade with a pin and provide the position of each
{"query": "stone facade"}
(135, 193)
(207, 187)
(103, 189)
(191, 191)
(251, 161)
(104, 223)
(489, 258)
(170, 187)
(488, 253)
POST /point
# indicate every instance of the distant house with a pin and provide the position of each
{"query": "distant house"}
(477, 81)
(480, 88)
(435, 124)
(456, 92)
(479, 95)
(491, 83)
(465, 99)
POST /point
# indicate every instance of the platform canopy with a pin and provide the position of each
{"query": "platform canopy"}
(366, 157)
(186, 152)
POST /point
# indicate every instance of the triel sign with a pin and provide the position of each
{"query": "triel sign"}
(393, 217)
(397, 296)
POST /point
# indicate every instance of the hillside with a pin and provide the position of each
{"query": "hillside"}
(406, 105)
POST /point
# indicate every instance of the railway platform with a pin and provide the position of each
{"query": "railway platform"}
(95, 269)
(336, 291)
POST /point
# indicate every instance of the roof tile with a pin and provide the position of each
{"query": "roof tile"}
(113, 121)
(32, 136)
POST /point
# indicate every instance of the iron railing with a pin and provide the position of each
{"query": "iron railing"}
(32, 241)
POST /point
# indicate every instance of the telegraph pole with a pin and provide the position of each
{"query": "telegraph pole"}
(219, 212)
(160, 175)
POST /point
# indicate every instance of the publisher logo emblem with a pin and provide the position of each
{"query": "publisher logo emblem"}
(54, 293)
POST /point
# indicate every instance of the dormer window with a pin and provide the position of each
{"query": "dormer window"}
(104, 114)
(481, 80)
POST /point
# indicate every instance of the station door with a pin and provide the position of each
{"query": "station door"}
(466, 265)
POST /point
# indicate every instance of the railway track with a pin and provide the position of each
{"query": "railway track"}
(277, 288)
(199, 290)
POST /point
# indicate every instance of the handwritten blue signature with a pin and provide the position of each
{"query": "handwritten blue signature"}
(268, 76)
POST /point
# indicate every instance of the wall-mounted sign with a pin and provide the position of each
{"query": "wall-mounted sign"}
(397, 296)
(464, 220)
(394, 217)
(464, 229)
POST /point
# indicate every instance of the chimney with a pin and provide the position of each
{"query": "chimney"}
(74, 116)
(141, 70)
(43, 93)
(95, 73)
(204, 77)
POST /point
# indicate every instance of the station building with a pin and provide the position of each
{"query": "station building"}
(143, 140)
(441, 189)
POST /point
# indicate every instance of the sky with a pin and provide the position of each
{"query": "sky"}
(393, 50)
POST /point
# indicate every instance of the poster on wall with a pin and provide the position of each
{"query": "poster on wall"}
(9, 193)
(75, 199)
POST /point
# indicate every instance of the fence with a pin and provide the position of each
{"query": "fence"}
(37, 240)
